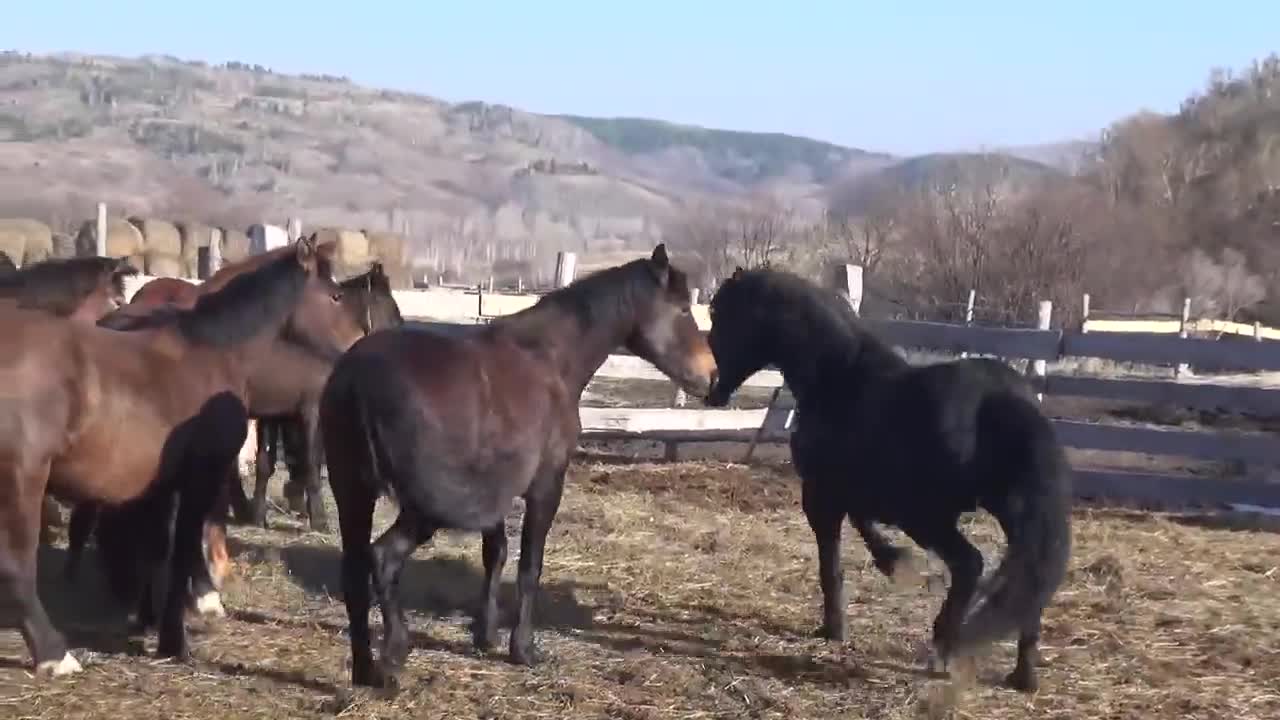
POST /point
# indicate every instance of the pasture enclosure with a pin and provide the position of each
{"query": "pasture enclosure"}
(1059, 362)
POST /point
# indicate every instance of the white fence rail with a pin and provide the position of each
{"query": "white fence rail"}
(1256, 393)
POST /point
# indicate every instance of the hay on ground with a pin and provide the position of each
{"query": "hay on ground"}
(689, 590)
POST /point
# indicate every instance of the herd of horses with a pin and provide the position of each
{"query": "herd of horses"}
(135, 413)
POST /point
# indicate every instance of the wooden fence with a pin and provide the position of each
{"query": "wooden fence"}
(1256, 394)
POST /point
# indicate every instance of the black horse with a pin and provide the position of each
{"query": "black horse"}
(878, 440)
(456, 425)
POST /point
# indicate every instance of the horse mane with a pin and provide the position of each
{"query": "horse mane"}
(823, 317)
(7, 266)
(245, 305)
(61, 284)
(595, 299)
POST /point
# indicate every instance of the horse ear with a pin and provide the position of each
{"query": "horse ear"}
(659, 257)
(737, 273)
(124, 267)
(304, 250)
(376, 269)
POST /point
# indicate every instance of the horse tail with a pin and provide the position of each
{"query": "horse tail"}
(361, 402)
(1031, 496)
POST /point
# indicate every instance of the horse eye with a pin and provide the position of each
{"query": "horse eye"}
(337, 297)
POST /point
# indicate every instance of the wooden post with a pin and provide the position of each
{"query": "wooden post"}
(566, 268)
(847, 280)
(1182, 368)
(1257, 331)
(1039, 368)
(215, 250)
(480, 301)
(520, 284)
(694, 294)
(490, 283)
(102, 230)
(968, 314)
(294, 228)
(1084, 313)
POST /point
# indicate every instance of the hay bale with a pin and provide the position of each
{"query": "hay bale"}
(387, 247)
(353, 245)
(25, 241)
(235, 246)
(123, 239)
(159, 235)
(163, 264)
(194, 236)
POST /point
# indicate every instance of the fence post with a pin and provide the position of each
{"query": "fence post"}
(1182, 368)
(1084, 313)
(294, 228)
(1039, 368)
(215, 250)
(968, 314)
(102, 230)
(847, 280)
(1257, 331)
(566, 268)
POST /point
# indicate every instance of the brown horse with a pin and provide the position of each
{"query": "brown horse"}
(456, 425)
(83, 289)
(287, 384)
(369, 298)
(142, 420)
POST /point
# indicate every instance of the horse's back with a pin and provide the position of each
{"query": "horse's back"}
(461, 421)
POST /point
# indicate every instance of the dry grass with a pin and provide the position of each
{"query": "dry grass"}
(688, 590)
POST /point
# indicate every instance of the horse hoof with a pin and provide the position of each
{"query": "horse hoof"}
(210, 605)
(373, 676)
(526, 656)
(178, 649)
(827, 632)
(68, 665)
(889, 561)
(937, 663)
(1022, 681)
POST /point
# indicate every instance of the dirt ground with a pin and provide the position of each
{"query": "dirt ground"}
(689, 590)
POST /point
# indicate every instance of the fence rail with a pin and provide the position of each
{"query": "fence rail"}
(1252, 394)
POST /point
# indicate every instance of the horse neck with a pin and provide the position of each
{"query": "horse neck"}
(579, 332)
(837, 371)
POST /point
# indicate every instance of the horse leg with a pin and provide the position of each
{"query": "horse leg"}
(540, 506)
(965, 564)
(310, 464)
(494, 554)
(825, 518)
(20, 604)
(79, 528)
(264, 467)
(355, 522)
(885, 554)
(208, 573)
(388, 555)
(1023, 676)
(291, 440)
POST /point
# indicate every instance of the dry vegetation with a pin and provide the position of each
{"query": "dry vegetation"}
(687, 590)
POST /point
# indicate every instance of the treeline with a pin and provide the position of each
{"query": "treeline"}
(1166, 207)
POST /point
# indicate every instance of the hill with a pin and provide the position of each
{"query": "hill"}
(236, 143)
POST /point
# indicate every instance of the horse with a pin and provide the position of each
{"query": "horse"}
(878, 440)
(285, 384)
(83, 288)
(456, 425)
(369, 298)
(80, 288)
(140, 421)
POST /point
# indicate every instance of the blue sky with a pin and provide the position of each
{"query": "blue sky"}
(901, 77)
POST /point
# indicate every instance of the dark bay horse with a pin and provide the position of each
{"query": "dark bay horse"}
(455, 426)
(139, 421)
(369, 298)
(878, 440)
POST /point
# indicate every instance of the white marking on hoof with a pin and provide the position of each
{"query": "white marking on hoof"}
(210, 604)
(57, 668)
